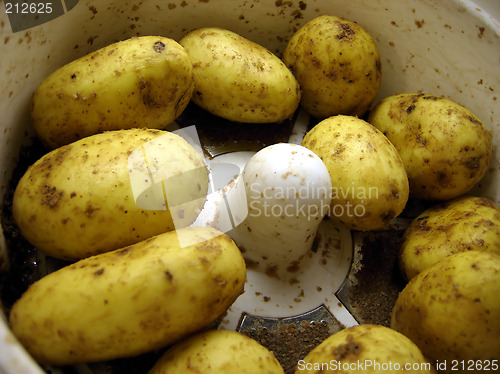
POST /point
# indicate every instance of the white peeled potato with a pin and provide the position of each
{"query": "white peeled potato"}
(79, 200)
(238, 79)
(288, 193)
(130, 301)
(337, 64)
(445, 148)
(139, 82)
(217, 352)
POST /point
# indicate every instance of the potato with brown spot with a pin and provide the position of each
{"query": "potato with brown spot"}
(238, 79)
(459, 225)
(97, 195)
(139, 82)
(130, 301)
(370, 186)
(337, 64)
(451, 310)
(217, 352)
(445, 148)
(365, 349)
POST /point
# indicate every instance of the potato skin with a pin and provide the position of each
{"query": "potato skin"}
(365, 344)
(139, 82)
(370, 186)
(337, 64)
(451, 310)
(238, 79)
(130, 301)
(217, 352)
(463, 224)
(445, 148)
(66, 203)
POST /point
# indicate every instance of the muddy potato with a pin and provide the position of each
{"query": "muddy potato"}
(96, 194)
(451, 310)
(131, 300)
(218, 352)
(139, 82)
(370, 186)
(337, 65)
(238, 79)
(463, 224)
(365, 349)
(444, 146)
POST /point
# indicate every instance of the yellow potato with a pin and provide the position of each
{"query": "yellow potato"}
(140, 82)
(131, 300)
(370, 186)
(238, 79)
(365, 349)
(451, 310)
(337, 65)
(83, 198)
(463, 224)
(218, 352)
(445, 148)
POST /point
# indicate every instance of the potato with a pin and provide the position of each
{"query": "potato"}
(238, 79)
(451, 310)
(445, 148)
(131, 300)
(218, 352)
(463, 224)
(140, 82)
(365, 349)
(288, 192)
(370, 186)
(80, 199)
(337, 65)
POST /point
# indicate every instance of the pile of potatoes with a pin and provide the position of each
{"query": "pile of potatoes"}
(134, 287)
